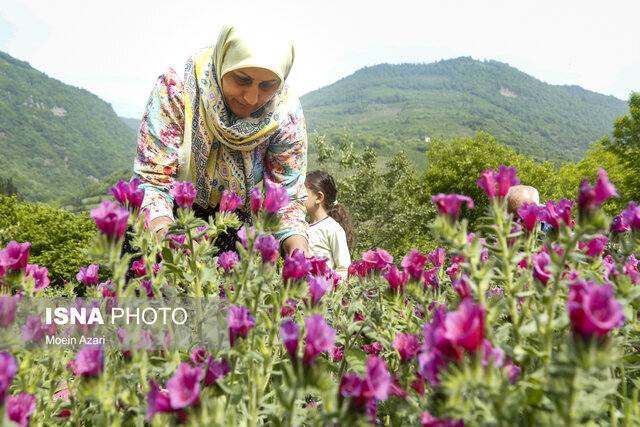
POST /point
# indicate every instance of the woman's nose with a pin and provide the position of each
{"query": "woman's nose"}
(251, 95)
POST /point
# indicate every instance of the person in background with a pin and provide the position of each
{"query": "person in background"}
(229, 124)
(330, 229)
(519, 194)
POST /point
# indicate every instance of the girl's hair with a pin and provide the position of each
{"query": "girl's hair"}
(321, 181)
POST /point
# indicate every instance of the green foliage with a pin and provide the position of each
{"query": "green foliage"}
(58, 238)
(8, 188)
(395, 107)
(93, 194)
(56, 139)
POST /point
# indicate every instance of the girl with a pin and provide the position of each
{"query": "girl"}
(330, 231)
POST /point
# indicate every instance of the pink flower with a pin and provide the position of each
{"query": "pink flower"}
(32, 329)
(227, 260)
(7, 311)
(491, 354)
(437, 257)
(431, 278)
(107, 289)
(215, 370)
(318, 286)
(320, 337)
(461, 286)
(529, 214)
(290, 334)
(145, 285)
(138, 267)
(596, 245)
(564, 211)
(377, 380)
(89, 361)
(488, 183)
(184, 193)
(243, 236)
(450, 204)
(428, 420)
(618, 224)
(15, 256)
(589, 198)
(176, 242)
(430, 365)
(593, 308)
(540, 261)
(275, 199)
(357, 268)
(374, 348)
(295, 267)
(184, 387)
(631, 217)
(230, 201)
(268, 247)
(465, 326)
(20, 408)
(351, 385)
(549, 214)
(40, 276)
(111, 219)
(199, 355)
(128, 192)
(256, 199)
(158, 401)
(336, 353)
(8, 369)
(378, 260)
(407, 346)
(414, 263)
(631, 269)
(240, 322)
(397, 279)
(453, 271)
(506, 179)
(88, 275)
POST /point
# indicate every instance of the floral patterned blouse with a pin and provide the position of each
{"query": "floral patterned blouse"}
(281, 159)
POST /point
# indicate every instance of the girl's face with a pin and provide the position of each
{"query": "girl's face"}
(245, 90)
(313, 202)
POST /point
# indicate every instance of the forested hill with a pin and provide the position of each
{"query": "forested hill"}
(396, 107)
(56, 139)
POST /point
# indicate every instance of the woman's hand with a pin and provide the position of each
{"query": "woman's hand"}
(161, 225)
(298, 242)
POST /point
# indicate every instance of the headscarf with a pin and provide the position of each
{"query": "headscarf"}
(222, 144)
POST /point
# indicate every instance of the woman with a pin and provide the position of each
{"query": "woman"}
(230, 124)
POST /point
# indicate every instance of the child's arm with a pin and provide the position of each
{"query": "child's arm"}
(340, 251)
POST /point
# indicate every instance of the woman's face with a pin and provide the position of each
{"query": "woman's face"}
(245, 90)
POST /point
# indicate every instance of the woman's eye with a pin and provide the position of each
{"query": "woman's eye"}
(267, 86)
(242, 81)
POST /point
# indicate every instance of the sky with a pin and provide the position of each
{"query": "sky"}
(116, 48)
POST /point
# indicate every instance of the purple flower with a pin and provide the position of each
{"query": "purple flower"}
(407, 346)
(618, 224)
(431, 277)
(593, 308)
(414, 263)
(430, 365)
(88, 275)
(243, 236)
(110, 218)
(591, 197)
(215, 370)
(437, 257)
(128, 191)
(268, 247)
(449, 204)
(184, 193)
(488, 183)
(227, 260)
(318, 286)
(540, 261)
(377, 380)
(397, 279)
(240, 322)
(275, 199)
(145, 285)
(377, 260)
(428, 420)
(465, 326)
(320, 337)
(351, 385)
(631, 217)
(374, 348)
(295, 267)
(8, 369)
(158, 401)
(506, 179)
(549, 214)
(631, 269)
(453, 271)
(184, 387)
(230, 201)
(89, 360)
(199, 355)
(119, 191)
(492, 354)
(175, 242)
(7, 310)
(336, 353)
(596, 245)
(564, 211)
(15, 255)
(32, 329)
(461, 286)
(138, 267)
(290, 334)
(20, 408)
(256, 199)
(529, 214)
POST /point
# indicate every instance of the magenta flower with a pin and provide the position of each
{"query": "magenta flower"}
(88, 275)
(453, 271)
(631, 269)
(158, 401)
(618, 224)
(8, 369)
(461, 286)
(428, 420)
(139, 268)
(488, 183)
(449, 204)
(591, 197)
(256, 199)
(110, 218)
(32, 329)
(540, 261)
(437, 257)
(492, 354)
(145, 286)
(465, 326)
(40, 276)
(377, 380)
(244, 237)
(318, 286)
(631, 217)
(15, 256)
(215, 370)
(336, 353)
(593, 309)
(397, 279)
(230, 201)
(89, 361)
(549, 214)
(506, 179)
(357, 268)
(596, 245)
(529, 214)
(268, 247)
(184, 387)
(320, 337)
(374, 348)
(295, 267)
(128, 192)
(407, 346)
(175, 242)
(275, 199)
(430, 365)
(431, 278)
(240, 322)
(199, 355)
(351, 385)
(227, 260)
(184, 193)
(7, 311)
(377, 260)
(564, 211)
(318, 266)
(290, 334)
(20, 408)
(414, 263)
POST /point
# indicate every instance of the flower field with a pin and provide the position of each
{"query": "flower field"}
(506, 325)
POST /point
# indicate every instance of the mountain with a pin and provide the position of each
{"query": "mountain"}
(56, 139)
(395, 107)
(132, 123)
